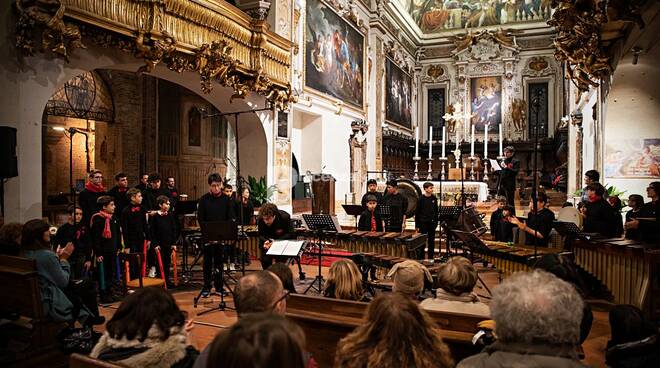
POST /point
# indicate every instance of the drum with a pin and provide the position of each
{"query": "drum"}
(570, 214)
(412, 192)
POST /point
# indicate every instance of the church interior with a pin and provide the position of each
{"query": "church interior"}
(356, 149)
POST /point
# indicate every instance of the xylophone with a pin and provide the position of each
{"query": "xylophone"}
(627, 268)
(386, 243)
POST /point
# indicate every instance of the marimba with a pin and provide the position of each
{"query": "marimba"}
(625, 267)
(509, 259)
(385, 243)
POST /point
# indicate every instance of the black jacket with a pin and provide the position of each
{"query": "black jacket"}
(78, 235)
(163, 229)
(134, 225)
(248, 211)
(102, 245)
(364, 224)
(149, 197)
(601, 218)
(378, 195)
(212, 208)
(427, 210)
(398, 207)
(650, 230)
(541, 222)
(500, 229)
(508, 174)
(121, 201)
(281, 228)
(87, 201)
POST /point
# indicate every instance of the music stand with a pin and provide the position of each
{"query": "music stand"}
(353, 210)
(214, 234)
(385, 211)
(181, 209)
(448, 215)
(319, 223)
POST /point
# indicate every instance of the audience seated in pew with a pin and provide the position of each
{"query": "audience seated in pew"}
(408, 277)
(147, 330)
(259, 340)
(537, 323)
(457, 279)
(344, 281)
(63, 299)
(10, 239)
(283, 272)
(635, 341)
(396, 333)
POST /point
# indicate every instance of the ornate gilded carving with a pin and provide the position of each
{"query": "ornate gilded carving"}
(48, 17)
(501, 37)
(213, 62)
(153, 51)
(435, 71)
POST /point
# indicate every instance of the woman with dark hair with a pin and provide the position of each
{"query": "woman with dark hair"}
(635, 341)
(635, 202)
(285, 275)
(397, 333)
(259, 340)
(147, 330)
(62, 300)
(10, 239)
(599, 216)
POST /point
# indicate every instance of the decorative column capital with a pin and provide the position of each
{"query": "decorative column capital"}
(257, 9)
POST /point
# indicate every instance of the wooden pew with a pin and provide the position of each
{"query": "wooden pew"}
(31, 329)
(326, 321)
(83, 361)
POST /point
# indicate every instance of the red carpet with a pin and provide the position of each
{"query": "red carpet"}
(329, 257)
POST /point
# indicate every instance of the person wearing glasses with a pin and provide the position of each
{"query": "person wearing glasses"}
(93, 191)
(647, 222)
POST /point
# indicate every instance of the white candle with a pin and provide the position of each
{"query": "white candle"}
(417, 142)
(500, 127)
(486, 142)
(430, 142)
(443, 140)
(456, 137)
(472, 142)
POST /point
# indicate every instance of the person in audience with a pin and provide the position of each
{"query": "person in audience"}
(372, 189)
(370, 219)
(105, 235)
(408, 277)
(118, 192)
(590, 177)
(635, 202)
(10, 239)
(147, 330)
(397, 333)
(426, 218)
(500, 227)
(61, 300)
(74, 231)
(565, 269)
(537, 323)
(273, 224)
(259, 340)
(164, 233)
(247, 207)
(344, 281)
(283, 272)
(635, 341)
(599, 216)
(457, 279)
(89, 196)
(538, 224)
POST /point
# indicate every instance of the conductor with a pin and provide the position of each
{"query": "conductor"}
(506, 184)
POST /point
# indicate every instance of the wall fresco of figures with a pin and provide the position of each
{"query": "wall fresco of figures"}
(398, 95)
(486, 103)
(439, 15)
(632, 158)
(333, 55)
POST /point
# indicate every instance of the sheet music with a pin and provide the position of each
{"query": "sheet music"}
(288, 248)
(494, 164)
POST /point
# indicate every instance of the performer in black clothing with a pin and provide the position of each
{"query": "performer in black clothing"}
(649, 229)
(81, 258)
(104, 234)
(273, 224)
(248, 207)
(506, 183)
(599, 216)
(500, 227)
(372, 187)
(213, 206)
(538, 224)
(142, 185)
(635, 202)
(164, 230)
(118, 192)
(173, 192)
(370, 219)
(153, 191)
(133, 220)
(426, 218)
(398, 206)
(89, 196)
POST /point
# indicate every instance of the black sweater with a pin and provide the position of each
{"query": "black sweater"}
(102, 245)
(507, 179)
(281, 228)
(212, 208)
(601, 218)
(134, 225)
(121, 201)
(398, 207)
(427, 210)
(164, 229)
(364, 224)
(78, 236)
(500, 229)
(149, 197)
(248, 211)
(542, 223)
(87, 200)
(378, 195)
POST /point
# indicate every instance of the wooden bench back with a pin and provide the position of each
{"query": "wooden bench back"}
(19, 287)
(83, 361)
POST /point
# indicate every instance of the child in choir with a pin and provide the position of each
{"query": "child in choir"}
(75, 232)
(164, 234)
(370, 219)
(372, 187)
(104, 234)
(426, 218)
(134, 222)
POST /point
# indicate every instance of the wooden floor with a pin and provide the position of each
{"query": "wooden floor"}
(208, 325)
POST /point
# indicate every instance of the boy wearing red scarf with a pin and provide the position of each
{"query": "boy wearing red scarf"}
(89, 196)
(105, 234)
(599, 216)
(164, 234)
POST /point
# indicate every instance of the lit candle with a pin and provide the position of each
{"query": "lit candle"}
(443, 140)
(417, 142)
(486, 142)
(430, 142)
(472, 142)
(456, 137)
(500, 126)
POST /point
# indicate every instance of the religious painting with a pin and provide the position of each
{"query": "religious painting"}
(333, 55)
(439, 15)
(632, 158)
(194, 127)
(486, 103)
(398, 95)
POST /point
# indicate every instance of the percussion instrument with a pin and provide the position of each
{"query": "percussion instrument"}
(570, 214)
(388, 243)
(411, 192)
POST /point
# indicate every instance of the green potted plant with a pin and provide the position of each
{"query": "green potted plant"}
(260, 192)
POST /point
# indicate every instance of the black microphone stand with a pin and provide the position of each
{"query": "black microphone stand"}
(536, 106)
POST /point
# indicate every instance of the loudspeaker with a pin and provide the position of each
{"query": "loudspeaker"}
(8, 159)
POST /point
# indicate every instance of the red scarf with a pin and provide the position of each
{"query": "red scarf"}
(373, 222)
(594, 198)
(95, 188)
(106, 229)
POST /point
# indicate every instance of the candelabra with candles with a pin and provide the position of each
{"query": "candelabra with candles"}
(416, 174)
(472, 160)
(485, 169)
(429, 175)
(443, 162)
